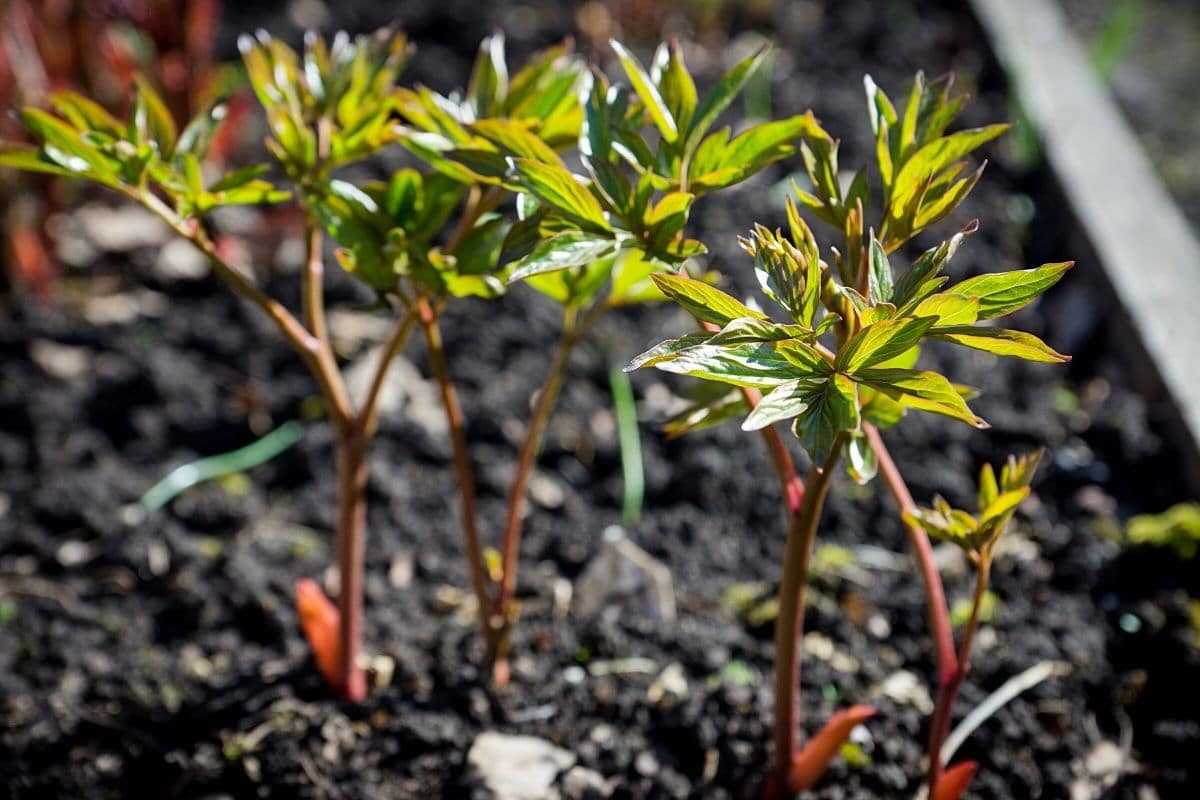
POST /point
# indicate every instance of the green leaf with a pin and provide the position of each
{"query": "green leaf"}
(880, 276)
(514, 139)
(761, 365)
(198, 134)
(720, 96)
(833, 410)
(668, 217)
(563, 251)
(160, 125)
(1018, 472)
(491, 167)
(703, 301)
(949, 309)
(1001, 507)
(675, 84)
(64, 146)
(647, 91)
(939, 154)
(1002, 342)
(717, 164)
(539, 87)
(85, 114)
(785, 401)
(477, 252)
(239, 177)
(925, 189)
(557, 188)
(31, 159)
(754, 329)
(861, 461)
(489, 77)
(879, 409)
(881, 341)
(989, 490)
(708, 409)
(667, 351)
(913, 285)
(253, 192)
(926, 391)
(432, 148)
(782, 272)
(1005, 292)
(631, 278)
(806, 245)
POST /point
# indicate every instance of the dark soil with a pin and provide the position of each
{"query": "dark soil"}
(162, 658)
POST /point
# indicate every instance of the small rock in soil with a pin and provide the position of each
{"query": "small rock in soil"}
(906, 688)
(670, 687)
(180, 261)
(623, 578)
(60, 360)
(517, 767)
(545, 491)
(400, 573)
(581, 783)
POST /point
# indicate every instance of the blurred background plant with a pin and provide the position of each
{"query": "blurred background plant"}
(97, 47)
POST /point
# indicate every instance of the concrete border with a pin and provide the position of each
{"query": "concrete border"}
(1140, 238)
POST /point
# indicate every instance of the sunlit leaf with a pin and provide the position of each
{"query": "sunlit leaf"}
(832, 411)
(557, 188)
(647, 91)
(703, 301)
(881, 341)
(861, 462)
(563, 251)
(926, 391)
(1002, 342)
(785, 401)
(1005, 292)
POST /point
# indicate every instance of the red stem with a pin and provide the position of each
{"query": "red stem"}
(510, 547)
(935, 594)
(462, 465)
(943, 714)
(789, 482)
(351, 535)
(789, 625)
(952, 667)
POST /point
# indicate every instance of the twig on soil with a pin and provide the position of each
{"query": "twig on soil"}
(1014, 686)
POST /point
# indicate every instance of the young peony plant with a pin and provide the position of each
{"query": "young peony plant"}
(842, 364)
(494, 203)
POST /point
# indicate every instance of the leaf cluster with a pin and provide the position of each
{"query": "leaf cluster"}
(142, 156)
(648, 152)
(997, 501)
(345, 86)
(847, 353)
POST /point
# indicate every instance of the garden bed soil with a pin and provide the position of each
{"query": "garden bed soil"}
(161, 657)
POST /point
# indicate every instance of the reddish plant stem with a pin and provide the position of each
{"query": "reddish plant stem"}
(790, 484)
(789, 625)
(462, 465)
(943, 713)
(952, 667)
(935, 594)
(350, 545)
(368, 415)
(510, 548)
